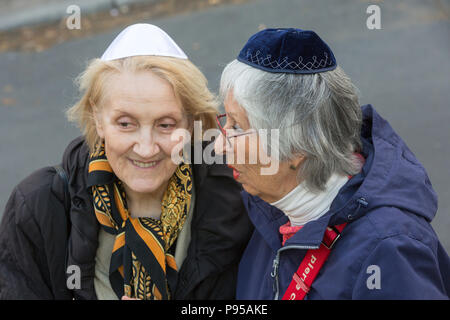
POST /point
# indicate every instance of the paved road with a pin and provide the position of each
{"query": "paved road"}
(402, 69)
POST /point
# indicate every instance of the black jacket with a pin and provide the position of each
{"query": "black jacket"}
(38, 242)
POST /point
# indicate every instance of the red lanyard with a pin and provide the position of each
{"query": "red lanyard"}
(311, 265)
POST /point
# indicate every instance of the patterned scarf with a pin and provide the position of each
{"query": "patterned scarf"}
(142, 262)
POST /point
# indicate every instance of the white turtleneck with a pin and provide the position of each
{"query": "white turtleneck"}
(301, 205)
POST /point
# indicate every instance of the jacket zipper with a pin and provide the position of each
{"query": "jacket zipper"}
(276, 263)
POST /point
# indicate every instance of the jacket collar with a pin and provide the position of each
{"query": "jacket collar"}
(267, 219)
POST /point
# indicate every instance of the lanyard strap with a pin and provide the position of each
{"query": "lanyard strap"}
(311, 265)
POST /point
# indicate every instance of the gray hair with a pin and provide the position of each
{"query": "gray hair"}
(318, 116)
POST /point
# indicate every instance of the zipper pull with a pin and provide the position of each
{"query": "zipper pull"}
(274, 268)
(363, 202)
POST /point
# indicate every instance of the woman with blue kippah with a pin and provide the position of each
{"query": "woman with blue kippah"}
(346, 214)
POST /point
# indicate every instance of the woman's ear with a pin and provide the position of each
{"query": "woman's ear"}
(296, 162)
(97, 119)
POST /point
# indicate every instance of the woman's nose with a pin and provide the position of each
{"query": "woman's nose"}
(146, 146)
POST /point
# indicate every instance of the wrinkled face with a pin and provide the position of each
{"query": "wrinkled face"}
(249, 157)
(136, 119)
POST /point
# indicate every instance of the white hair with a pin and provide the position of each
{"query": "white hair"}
(318, 116)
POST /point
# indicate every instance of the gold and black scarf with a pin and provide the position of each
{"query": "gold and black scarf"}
(142, 262)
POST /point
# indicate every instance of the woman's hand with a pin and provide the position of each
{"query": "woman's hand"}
(128, 298)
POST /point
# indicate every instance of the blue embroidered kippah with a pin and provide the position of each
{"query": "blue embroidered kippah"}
(288, 50)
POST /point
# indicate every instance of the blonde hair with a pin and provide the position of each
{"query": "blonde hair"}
(189, 84)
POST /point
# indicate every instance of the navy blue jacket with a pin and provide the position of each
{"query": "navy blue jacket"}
(388, 250)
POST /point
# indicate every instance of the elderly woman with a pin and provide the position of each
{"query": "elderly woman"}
(347, 213)
(132, 223)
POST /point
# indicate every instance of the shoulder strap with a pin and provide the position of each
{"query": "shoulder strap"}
(312, 263)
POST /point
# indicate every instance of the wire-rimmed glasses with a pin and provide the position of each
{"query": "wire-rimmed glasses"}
(229, 133)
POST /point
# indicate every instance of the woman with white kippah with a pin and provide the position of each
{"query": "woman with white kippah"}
(340, 205)
(120, 219)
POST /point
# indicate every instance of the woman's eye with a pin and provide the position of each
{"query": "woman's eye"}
(124, 125)
(237, 127)
(167, 125)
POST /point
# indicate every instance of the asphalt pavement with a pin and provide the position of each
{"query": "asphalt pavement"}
(402, 69)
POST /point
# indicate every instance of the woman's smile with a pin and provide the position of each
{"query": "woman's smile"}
(145, 165)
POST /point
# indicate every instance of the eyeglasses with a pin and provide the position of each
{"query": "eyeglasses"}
(229, 133)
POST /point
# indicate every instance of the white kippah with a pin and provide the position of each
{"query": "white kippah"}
(142, 39)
